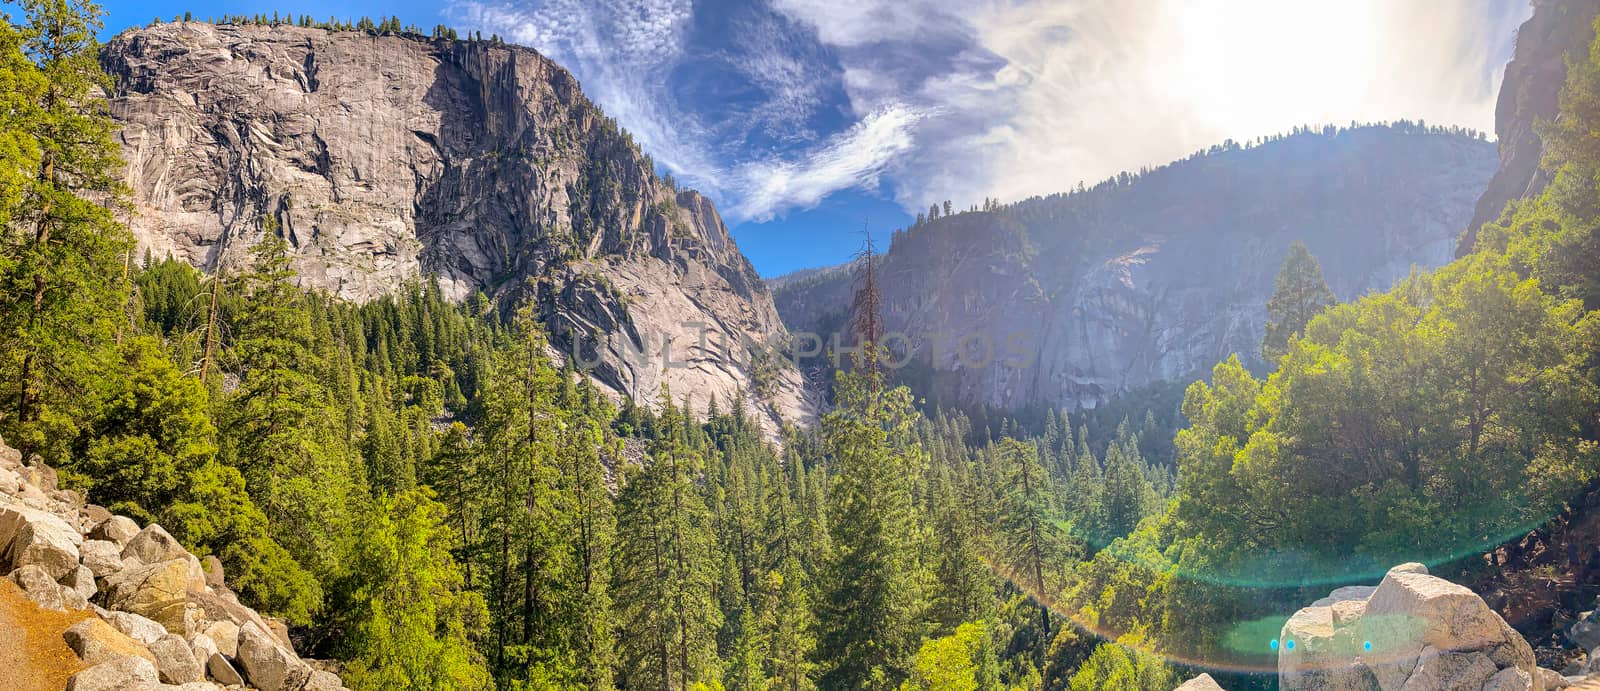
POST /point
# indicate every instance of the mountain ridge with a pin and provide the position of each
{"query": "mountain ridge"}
(387, 158)
(1157, 276)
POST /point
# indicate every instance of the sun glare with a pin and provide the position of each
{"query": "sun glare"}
(1250, 67)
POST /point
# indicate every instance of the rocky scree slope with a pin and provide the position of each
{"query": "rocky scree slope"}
(159, 617)
(382, 159)
(1531, 92)
(1159, 276)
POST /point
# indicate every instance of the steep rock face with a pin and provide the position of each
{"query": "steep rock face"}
(382, 159)
(1081, 296)
(1531, 92)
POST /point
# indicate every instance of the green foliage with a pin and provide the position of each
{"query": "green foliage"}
(282, 428)
(418, 490)
(1460, 397)
(60, 243)
(1299, 293)
(414, 626)
(667, 592)
(1120, 667)
(962, 661)
(871, 609)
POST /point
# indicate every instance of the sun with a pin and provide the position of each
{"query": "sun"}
(1251, 67)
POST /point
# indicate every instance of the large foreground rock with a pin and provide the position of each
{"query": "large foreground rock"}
(159, 592)
(30, 537)
(1413, 632)
(38, 586)
(121, 674)
(95, 642)
(267, 664)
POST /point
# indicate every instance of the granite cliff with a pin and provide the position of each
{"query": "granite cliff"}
(388, 158)
(1531, 92)
(1154, 277)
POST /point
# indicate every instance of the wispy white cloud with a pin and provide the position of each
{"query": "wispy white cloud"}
(1045, 93)
(964, 99)
(854, 158)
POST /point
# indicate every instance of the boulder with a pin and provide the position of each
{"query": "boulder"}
(1411, 567)
(38, 538)
(121, 674)
(81, 581)
(224, 606)
(202, 647)
(266, 664)
(1551, 680)
(92, 515)
(102, 557)
(1204, 682)
(1437, 671)
(153, 545)
(1585, 632)
(328, 681)
(175, 662)
(136, 627)
(222, 671)
(1510, 679)
(1349, 593)
(96, 641)
(155, 591)
(45, 592)
(118, 530)
(280, 631)
(1326, 653)
(214, 574)
(1410, 611)
(226, 635)
(39, 475)
(1412, 632)
(195, 686)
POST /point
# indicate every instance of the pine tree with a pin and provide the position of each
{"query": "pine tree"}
(57, 307)
(871, 610)
(1299, 294)
(411, 623)
(528, 516)
(281, 430)
(965, 591)
(666, 573)
(1028, 523)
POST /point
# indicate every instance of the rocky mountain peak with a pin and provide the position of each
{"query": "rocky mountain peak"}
(383, 159)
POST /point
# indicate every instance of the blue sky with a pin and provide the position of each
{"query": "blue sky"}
(805, 119)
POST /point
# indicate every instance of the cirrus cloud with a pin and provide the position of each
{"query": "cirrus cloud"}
(771, 105)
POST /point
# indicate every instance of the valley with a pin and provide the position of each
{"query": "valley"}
(352, 355)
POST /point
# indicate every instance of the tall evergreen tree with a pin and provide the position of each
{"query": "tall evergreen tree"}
(666, 567)
(1299, 293)
(871, 612)
(60, 242)
(281, 430)
(412, 624)
(1029, 528)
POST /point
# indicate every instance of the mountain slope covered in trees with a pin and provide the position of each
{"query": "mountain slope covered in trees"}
(1152, 277)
